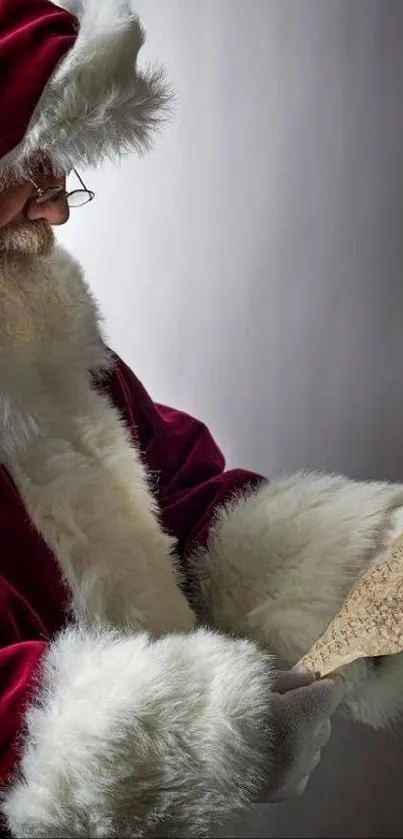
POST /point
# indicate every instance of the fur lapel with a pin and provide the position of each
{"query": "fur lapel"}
(81, 479)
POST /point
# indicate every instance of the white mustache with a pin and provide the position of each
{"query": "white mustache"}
(30, 238)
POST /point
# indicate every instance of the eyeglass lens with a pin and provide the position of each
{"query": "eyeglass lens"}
(79, 197)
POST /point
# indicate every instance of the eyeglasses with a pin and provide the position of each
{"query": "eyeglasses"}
(75, 198)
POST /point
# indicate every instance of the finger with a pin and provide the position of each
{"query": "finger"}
(323, 735)
(315, 761)
(302, 786)
(287, 680)
(318, 699)
(305, 781)
(336, 687)
(335, 676)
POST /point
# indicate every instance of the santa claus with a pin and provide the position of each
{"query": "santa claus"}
(151, 601)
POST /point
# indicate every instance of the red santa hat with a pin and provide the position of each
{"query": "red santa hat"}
(69, 84)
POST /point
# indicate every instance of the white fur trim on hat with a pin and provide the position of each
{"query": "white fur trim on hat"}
(97, 104)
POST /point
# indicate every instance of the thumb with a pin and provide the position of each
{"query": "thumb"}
(320, 698)
(286, 680)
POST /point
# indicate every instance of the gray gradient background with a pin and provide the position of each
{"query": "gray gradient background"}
(250, 270)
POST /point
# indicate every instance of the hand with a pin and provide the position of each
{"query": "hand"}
(302, 708)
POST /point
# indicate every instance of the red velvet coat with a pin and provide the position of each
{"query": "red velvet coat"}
(190, 481)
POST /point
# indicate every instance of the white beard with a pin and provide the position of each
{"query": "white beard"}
(25, 240)
(65, 446)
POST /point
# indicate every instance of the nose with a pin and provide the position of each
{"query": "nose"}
(55, 212)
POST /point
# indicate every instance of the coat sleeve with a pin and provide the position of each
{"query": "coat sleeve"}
(18, 664)
(274, 561)
(187, 467)
(126, 736)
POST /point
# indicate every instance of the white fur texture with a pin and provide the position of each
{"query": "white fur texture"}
(281, 561)
(97, 104)
(137, 738)
(82, 481)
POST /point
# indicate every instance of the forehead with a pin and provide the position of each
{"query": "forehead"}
(38, 168)
(39, 164)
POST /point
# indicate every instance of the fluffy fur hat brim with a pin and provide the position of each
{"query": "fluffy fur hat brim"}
(97, 105)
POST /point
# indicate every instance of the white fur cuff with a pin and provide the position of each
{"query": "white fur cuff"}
(131, 737)
(281, 561)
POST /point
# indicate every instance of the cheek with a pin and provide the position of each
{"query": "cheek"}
(12, 204)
